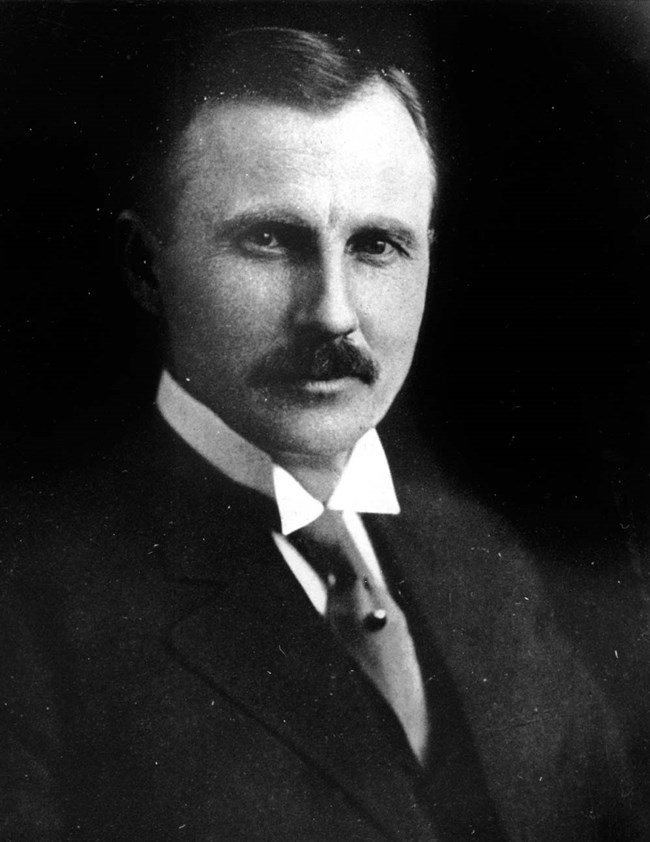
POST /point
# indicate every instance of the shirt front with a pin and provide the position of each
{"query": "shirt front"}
(366, 485)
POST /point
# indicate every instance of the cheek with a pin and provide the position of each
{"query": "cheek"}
(392, 311)
(247, 303)
(222, 301)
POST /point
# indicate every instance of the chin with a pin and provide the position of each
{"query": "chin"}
(316, 437)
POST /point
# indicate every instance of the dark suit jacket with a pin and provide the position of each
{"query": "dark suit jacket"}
(165, 677)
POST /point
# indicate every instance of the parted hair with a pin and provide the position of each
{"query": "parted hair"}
(306, 70)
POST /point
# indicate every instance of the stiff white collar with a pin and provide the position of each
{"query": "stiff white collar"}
(366, 484)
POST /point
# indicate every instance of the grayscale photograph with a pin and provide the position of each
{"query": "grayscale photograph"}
(325, 432)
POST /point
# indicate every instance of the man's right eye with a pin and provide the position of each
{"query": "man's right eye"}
(263, 241)
(274, 240)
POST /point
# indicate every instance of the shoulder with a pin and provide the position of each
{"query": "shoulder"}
(46, 518)
(464, 541)
(545, 730)
(105, 515)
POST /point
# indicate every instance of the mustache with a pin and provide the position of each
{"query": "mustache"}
(316, 360)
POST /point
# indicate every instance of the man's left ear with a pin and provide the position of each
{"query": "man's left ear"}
(137, 250)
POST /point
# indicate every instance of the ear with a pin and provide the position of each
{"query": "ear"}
(137, 250)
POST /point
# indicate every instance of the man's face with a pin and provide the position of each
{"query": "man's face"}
(294, 281)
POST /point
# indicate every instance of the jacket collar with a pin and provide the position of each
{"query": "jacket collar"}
(456, 782)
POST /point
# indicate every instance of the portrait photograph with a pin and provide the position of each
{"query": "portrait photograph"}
(325, 438)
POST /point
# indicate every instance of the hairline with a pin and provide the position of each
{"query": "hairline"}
(170, 171)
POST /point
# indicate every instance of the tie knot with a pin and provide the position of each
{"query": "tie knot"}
(325, 544)
(328, 529)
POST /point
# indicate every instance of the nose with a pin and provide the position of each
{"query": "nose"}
(327, 303)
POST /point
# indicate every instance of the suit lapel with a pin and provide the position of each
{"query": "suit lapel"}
(259, 640)
(458, 790)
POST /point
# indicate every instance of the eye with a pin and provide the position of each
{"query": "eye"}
(261, 240)
(376, 248)
(269, 240)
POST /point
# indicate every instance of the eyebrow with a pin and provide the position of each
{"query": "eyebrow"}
(252, 218)
(282, 216)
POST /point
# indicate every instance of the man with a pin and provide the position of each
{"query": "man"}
(235, 628)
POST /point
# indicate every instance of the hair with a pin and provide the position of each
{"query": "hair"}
(291, 67)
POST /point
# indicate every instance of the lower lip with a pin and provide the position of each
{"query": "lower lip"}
(325, 388)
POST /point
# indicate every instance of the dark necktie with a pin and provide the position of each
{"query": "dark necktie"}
(369, 623)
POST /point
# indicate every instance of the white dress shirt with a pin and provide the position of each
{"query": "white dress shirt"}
(366, 484)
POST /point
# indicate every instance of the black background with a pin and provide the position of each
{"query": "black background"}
(531, 383)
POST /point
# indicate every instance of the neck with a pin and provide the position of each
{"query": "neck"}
(317, 474)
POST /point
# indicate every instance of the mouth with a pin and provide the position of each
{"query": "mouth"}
(330, 386)
(315, 388)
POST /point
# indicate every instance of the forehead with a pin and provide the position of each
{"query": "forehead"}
(360, 158)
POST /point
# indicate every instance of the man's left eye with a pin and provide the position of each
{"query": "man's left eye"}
(266, 239)
(377, 246)
(376, 249)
